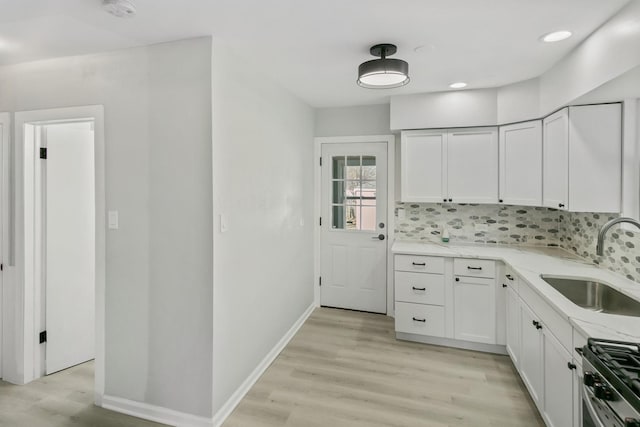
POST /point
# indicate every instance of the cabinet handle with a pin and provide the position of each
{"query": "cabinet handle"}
(473, 268)
(500, 200)
(538, 326)
(451, 200)
(415, 319)
(510, 277)
(535, 323)
(444, 200)
(504, 286)
(423, 264)
(457, 279)
(418, 289)
(561, 205)
(571, 366)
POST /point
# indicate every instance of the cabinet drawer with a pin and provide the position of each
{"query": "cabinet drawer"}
(420, 319)
(474, 267)
(419, 288)
(421, 263)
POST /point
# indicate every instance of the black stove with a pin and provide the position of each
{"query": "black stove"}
(611, 371)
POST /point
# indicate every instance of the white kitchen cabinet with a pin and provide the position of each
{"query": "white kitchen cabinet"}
(423, 166)
(474, 309)
(595, 158)
(513, 324)
(558, 382)
(521, 164)
(472, 166)
(555, 165)
(582, 163)
(459, 166)
(531, 354)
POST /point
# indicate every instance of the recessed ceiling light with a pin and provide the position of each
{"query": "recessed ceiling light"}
(458, 85)
(556, 36)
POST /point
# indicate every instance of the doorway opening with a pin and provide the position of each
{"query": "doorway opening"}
(58, 250)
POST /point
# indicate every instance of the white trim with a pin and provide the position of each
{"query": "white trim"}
(154, 413)
(244, 388)
(5, 122)
(390, 140)
(23, 343)
(630, 160)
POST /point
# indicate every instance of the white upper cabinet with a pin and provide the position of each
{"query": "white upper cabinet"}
(472, 165)
(555, 181)
(521, 164)
(422, 171)
(582, 166)
(595, 158)
(458, 166)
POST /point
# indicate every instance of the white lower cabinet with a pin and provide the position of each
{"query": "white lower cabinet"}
(420, 319)
(531, 354)
(513, 325)
(474, 309)
(558, 383)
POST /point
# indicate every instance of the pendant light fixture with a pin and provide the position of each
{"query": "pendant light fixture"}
(383, 73)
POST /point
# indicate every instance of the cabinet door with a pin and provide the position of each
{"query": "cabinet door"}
(521, 164)
(531, 354)
(558, 383)
(474, 310)
(595, 158)
(472, 165)
(555, 165)
(422, 158)
(513, 325)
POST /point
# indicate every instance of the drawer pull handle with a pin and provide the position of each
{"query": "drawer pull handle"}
(419, 263)
(537, 324)
(473, 268)
(415, 319)
(418, 289)
(504, 286)
(510, 277)
(571, 366)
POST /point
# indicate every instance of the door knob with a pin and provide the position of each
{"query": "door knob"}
(378, 237)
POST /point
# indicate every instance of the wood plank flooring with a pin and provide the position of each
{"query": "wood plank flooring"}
(59, 400)
(346, 369)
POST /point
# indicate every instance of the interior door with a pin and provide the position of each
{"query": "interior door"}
(354, 226)
(69, 260)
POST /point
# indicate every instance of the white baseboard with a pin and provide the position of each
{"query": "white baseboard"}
(154, 413)
(244, 388)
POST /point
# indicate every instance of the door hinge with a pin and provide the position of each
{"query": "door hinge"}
(320, 221)
(43, 337)
(43, 153)
(1, 267)
(320, 161)
(320, 281)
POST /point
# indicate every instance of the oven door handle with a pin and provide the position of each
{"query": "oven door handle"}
(586, 398)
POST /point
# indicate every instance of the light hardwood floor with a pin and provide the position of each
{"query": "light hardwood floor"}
(59, 400)
(345, 369)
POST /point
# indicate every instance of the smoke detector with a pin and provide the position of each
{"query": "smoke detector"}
(119, 8)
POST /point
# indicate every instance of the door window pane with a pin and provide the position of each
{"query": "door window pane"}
(354, 193)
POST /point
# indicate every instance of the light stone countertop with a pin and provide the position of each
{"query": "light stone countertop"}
(529, 263)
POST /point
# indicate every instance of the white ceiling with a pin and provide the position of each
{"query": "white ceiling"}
(314, 48)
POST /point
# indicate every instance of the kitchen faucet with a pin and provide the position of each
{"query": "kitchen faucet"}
(607, 226)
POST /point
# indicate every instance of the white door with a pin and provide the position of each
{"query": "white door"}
(521, 164)
(69, 260)
(354, 226)
(513, 325)
(474, 309)
(531, 354)
(555, 165)
(472, 166)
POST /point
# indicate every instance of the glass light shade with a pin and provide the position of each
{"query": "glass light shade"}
(383, 73)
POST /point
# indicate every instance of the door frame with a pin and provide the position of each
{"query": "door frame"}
(390, 140)
(23, 345)
(5, 122)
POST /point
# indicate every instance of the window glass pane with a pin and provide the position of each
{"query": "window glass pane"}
(368, 218)
(353, 214)
(338, 192)
(368, 167)
(338, 217)
(353, 189)
(353, 167)
(338, 167)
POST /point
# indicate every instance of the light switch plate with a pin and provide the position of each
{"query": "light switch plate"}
(112, 220)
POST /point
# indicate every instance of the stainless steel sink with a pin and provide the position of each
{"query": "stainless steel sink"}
(594, 295)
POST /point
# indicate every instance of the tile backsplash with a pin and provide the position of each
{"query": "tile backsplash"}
(505, 225)
(522, 225)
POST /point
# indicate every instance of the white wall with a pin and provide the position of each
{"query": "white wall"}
(157, 103)
(263, 184)
(519, 101)
(349, 121)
